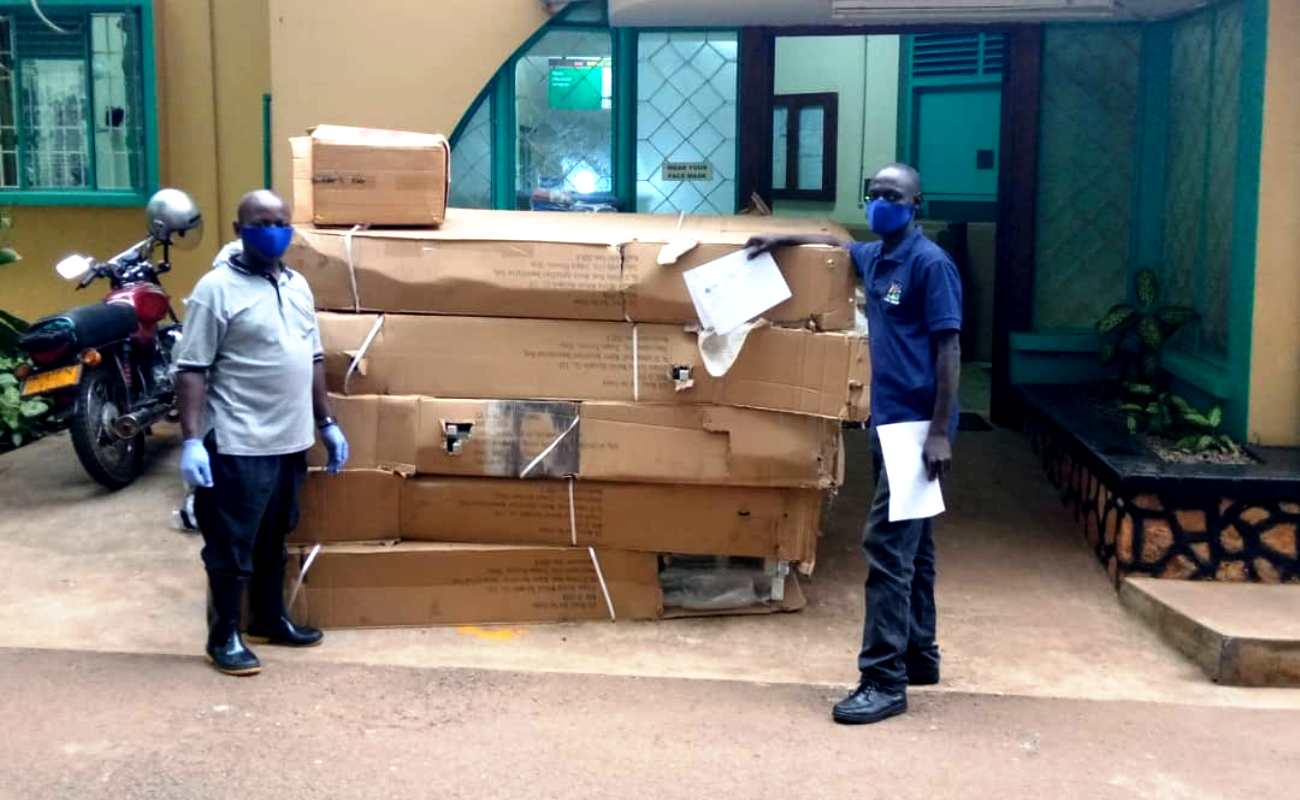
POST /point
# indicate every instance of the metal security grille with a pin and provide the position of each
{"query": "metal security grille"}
(565, 138)
(72, 111)
(471, 161)
(686, 122)
(949, 55)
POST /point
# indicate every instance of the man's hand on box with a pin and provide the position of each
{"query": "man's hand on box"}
(758, 245)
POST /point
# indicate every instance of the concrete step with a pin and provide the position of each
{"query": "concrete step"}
(1241, 634)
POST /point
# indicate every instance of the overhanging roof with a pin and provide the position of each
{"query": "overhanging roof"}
(689, 13)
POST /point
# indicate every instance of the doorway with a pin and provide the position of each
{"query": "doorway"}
(844, 105)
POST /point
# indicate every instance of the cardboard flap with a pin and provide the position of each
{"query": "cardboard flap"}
(779, 443)
(375, 137)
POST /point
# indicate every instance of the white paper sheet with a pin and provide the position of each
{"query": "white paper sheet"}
(732, 290)
(719, 351)
(912, 495)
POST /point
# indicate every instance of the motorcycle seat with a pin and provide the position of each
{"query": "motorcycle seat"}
(78, 328)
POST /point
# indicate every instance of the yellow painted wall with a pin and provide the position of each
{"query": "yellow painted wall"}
(863, 72)
(392, 63)
(1275, 350)
(210, 130)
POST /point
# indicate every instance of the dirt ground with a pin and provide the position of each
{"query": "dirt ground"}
(1050, 687)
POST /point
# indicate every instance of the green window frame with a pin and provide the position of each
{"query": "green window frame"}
(497, 102)
(95, 144)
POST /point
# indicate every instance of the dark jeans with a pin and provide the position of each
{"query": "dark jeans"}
(245, 518)
(900, 617)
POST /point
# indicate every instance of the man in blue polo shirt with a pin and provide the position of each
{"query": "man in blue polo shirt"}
(914, 320)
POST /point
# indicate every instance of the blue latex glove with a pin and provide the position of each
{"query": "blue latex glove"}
(337, 447)
(196, 469)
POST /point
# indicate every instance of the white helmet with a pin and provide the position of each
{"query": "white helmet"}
(174, 218)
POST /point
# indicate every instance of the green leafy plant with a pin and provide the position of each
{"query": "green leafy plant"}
(1136, 334)
(1170, 416)
(20, 418)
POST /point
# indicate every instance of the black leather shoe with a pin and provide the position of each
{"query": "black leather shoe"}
(226, 652)
(869, 703)
(284, 632)
(922, 672)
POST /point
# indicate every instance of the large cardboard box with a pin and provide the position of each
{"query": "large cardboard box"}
(361, 505)
(421, 583)
(716, 445)
(778, 369)
(373, 505)
(365, 586)
(362, 176)
(562, 266)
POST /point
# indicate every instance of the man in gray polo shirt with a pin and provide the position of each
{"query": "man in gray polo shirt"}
(252, 394)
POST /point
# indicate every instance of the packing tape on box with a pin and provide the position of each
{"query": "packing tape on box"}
(523, 473)
(604, 587)
(573, 516)
(302, 573)
(352, 267)
(636, 365)
(361, 352)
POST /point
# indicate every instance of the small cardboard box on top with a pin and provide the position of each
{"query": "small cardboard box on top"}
(778, 369)
(364, 176)
(374, 505)
(563, 266)
(625, 442)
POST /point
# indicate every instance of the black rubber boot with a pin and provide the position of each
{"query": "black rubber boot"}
(226, 648)
(270, 623)
(869, 703)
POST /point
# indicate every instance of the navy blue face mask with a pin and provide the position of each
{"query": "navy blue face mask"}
(269, 242)
(885, 217)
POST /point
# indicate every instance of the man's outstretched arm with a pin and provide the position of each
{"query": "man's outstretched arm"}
(758, 245)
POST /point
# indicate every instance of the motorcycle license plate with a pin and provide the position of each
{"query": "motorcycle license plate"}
(54, 379)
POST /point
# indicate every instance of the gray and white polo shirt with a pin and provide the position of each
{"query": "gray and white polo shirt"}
(256, 338)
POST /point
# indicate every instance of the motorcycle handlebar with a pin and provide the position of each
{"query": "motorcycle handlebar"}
(115, 267)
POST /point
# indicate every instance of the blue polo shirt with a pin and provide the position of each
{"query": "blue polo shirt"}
(912, 294)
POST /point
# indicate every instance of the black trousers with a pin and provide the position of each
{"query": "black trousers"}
(900, 626)
(245, 517)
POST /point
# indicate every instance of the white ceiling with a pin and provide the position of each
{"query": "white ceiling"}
(683, 13)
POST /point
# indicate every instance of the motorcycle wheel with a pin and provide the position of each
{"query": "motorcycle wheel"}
(115, 463)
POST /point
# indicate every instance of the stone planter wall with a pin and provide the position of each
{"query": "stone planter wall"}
(1184, 532)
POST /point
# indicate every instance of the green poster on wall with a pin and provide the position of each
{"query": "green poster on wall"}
(575, 84)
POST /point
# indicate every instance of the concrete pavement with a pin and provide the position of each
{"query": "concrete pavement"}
(1024, 608)
(129, 727)
(1050, 688)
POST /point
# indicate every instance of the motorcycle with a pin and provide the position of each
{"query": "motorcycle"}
(106, 367)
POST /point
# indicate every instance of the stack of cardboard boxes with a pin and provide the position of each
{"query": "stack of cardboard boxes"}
(534, 434)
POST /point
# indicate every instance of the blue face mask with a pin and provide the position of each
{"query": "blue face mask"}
(268, 242)
(885, 217)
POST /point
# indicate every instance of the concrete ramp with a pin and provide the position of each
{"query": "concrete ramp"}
(1241, 634)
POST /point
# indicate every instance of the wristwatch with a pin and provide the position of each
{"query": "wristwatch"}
(325, 422)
